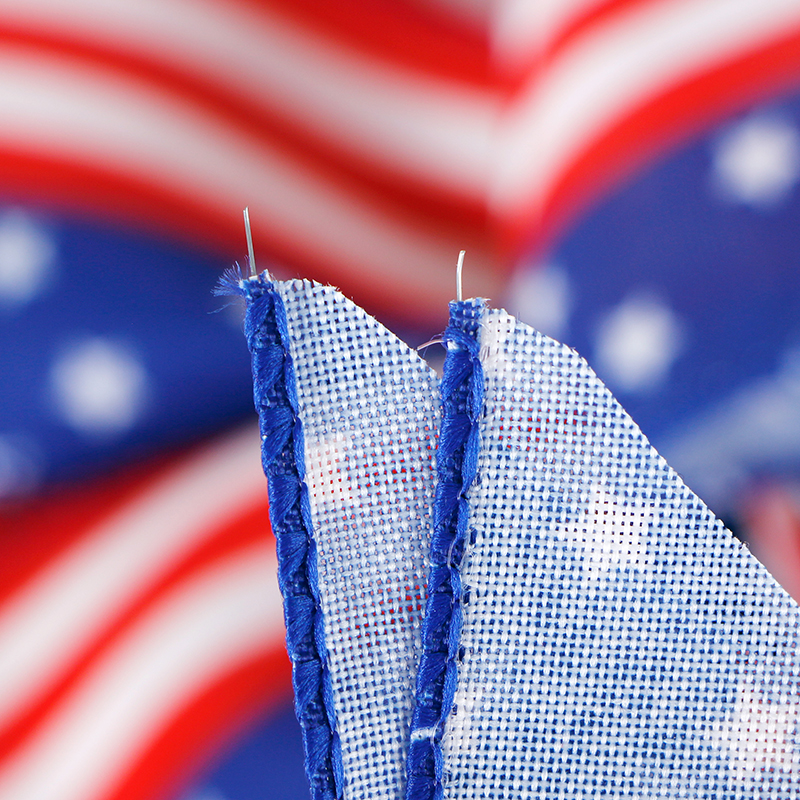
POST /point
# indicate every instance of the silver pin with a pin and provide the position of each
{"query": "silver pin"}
(459, 268)
(249, 235)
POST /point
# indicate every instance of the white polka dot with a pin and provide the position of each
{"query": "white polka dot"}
(326, 472)
(759, 735)
(758, 162)
(637, 344)
(611, 534)
(27, 254)
(540, 297)
(99, 387)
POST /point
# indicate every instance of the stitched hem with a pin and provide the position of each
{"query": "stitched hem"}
(283, 459)
(462, 393)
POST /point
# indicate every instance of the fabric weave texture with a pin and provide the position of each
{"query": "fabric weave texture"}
(364, 418)
(616, 639)
(590, 629)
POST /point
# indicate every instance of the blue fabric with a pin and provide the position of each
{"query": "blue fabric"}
(146, 300)
(617, 640)
(590, 628)
(284, 465)
(456, 466)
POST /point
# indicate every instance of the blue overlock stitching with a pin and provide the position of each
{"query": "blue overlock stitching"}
(283, 459)
(462, 394)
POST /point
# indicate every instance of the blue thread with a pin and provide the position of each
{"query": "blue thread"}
(283, 459)
(462, 393)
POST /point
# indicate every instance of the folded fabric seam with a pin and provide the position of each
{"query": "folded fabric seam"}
(282, 453)
(462, 397)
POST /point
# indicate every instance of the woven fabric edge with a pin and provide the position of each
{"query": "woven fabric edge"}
(283, 459)
(462, 402)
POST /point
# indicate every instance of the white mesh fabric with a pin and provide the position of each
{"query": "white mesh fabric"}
(618, 642)
(369, 410)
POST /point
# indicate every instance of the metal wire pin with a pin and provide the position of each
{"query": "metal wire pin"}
(249, 234)
(459, 268)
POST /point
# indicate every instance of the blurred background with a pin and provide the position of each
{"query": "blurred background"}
(622, 173)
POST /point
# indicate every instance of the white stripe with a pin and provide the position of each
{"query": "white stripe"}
(196, 635)
(52, 619)
(614, 68)
(64, 109)
(435, 130)
(522, 29)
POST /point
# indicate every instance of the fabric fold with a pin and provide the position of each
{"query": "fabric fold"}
(601, 634)
(590, 629)
(349, 417)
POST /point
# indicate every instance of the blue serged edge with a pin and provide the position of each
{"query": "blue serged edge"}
(283, 458)
(462, 399)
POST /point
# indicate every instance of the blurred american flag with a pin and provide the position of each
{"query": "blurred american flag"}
(622, 173)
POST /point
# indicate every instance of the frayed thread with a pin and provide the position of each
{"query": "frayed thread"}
(231, 282)
(283, 459)
(462, 398)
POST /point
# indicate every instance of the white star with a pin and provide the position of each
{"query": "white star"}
(758, 162)
(27, 254)
(759, 735)
(540, 297)
(612, 533)
(326, 472)
(637, 343)
(495, 334)
(100, 387)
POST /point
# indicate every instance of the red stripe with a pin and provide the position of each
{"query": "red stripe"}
(249, 529)
(664, 122)
(112, 196)
(411, 35)
(341, 164)
(595, 16)
(613, 156)
(519, 71)
(35, 532)
(88, 189)
(203, 730)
